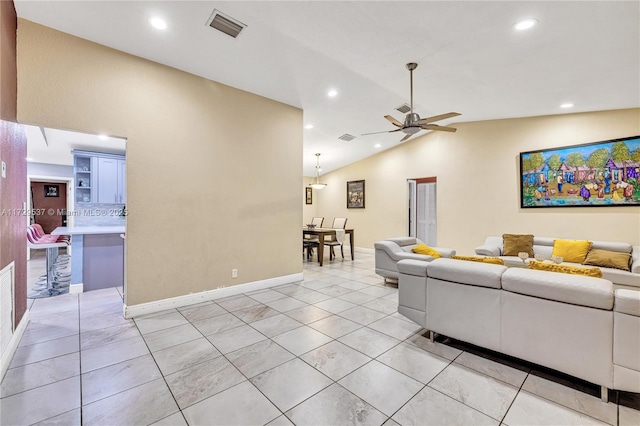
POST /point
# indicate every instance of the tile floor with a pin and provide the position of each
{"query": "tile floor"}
(330, 350)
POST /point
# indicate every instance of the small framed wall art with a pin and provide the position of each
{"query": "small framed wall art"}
(355, 194)
(308, 195)
(52, 191)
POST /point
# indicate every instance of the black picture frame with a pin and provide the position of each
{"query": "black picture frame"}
(52, 191)
(355, 194)
(594, 174)
(308, 195)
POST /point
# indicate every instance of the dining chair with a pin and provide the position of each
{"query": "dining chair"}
(339, 224)
(309, 242)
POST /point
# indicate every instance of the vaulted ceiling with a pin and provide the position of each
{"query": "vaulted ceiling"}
(471, 59)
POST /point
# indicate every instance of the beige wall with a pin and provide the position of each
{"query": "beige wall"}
(478, 183)
(207, 191)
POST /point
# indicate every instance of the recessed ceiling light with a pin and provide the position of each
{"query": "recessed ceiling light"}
(377, 145)
(309, 126)
(158, 23)
(332, 93)
(103, 137)
(566, 105)
(525, 24)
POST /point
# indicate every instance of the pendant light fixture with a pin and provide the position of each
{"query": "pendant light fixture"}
(316, 184)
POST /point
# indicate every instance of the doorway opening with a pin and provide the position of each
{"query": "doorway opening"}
(48, 202)
(423, 209)
(76, 182)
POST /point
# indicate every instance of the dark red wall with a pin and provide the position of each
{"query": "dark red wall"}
(13, 151)
(44, 206)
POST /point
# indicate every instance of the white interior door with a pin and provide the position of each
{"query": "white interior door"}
(412, 207)
(426, 229)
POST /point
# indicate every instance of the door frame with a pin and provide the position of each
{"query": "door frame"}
(70, 181)
(412, 197)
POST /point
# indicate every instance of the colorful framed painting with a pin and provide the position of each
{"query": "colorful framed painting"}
(597, 174)
(355, 194)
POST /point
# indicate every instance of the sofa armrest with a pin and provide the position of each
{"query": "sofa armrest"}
(445, 252)
(487, 250)
(397, 253)
(417, 268)
(627, 302)
(635, 259)
(413, 256)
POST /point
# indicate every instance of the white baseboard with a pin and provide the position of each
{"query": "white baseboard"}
(76, 288)
(205, 296)
(7, 356)
(364, 250)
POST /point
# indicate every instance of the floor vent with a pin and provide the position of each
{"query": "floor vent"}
(404, 108)
(347, 137)
(6, 306)
(225, 24)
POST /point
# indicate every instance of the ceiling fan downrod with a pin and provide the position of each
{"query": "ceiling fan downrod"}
(411, 66)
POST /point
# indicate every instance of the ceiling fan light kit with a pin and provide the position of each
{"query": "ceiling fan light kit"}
(412, 122)
(315, 184)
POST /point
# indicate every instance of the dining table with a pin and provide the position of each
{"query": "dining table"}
(321, 233)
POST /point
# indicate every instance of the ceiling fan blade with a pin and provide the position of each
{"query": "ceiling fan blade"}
(375, 133)
(438, 117)
(393, 121)
(405, 138)
(436, 127)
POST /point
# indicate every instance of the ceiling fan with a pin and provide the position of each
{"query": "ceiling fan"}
(413, 123)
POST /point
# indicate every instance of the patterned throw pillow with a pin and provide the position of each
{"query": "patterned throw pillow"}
(512, 244)
(494, 260)
(564, 269)
(429, 251)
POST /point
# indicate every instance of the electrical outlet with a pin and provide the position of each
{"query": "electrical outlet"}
(234, 273)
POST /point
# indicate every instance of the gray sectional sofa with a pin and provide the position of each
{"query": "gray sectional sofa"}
(574, 324)
(544, 246)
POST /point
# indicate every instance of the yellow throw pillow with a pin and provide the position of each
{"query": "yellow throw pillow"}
(494, 260)
(564, 269)
(429, 251)
(608, 259)
(512, 244)
(574, 251)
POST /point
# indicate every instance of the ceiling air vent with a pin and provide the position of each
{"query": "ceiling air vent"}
(225, 23)
(347, 137)
(404, 108)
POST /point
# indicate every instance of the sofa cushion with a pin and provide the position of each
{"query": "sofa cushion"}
(543, 241)
(607, 245)
(571, 250)
(627, 302)
(544, 250)
(514, 261)
(404, 241)
(426, 250)
(488, 250)
(608, 259)
(574, 289)
(413, 267)
(516, 243)
(621, 277)
(494, 260)
(473, 273)
(445, 252)
(566, 269)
